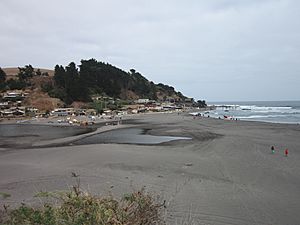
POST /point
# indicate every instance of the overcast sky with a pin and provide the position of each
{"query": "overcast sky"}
(217, 50)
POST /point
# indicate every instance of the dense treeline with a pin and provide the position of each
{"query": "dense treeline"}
(98, 78)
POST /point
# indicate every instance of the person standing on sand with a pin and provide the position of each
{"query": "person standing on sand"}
(273, 149)
(286, 152)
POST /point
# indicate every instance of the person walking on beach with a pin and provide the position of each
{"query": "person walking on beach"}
(273, 149)
(286, 152)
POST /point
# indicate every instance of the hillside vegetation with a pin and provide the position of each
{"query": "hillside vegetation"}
(98, 78)
(74, 83)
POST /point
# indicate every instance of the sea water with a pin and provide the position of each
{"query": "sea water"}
(264, 111)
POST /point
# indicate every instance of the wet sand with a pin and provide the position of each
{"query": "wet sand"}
(226, 174)
(25, 135)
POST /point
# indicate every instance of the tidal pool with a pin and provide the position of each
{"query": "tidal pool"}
(126, 136)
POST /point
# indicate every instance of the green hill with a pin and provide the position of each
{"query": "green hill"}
(80, 83)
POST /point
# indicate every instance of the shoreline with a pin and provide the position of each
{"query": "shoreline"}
(53, 119)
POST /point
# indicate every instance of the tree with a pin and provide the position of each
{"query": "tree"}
(2, 76)
(132, 71)
(38, 72)
(71, 83)
(59, 76)
(15, 84)
(201, 104)
(26, 72)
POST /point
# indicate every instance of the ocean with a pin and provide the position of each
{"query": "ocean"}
(264, 111)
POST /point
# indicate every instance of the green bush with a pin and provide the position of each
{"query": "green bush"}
(77, 207)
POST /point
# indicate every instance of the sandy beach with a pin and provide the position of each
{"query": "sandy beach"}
(225, 174)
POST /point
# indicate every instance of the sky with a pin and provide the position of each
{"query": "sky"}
(216, 50)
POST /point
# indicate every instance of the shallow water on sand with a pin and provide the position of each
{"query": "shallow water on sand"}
(126, 136)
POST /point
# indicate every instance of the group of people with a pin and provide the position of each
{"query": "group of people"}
(286, 151)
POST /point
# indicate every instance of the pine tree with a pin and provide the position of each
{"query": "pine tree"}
(2, 76)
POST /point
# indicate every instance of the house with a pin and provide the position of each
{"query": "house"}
(12, 112)
(31, 111)
(170, 100)
(142, 101)
(103, 98)
(189, 100)
(4, 105)
(62, 111)
(18, 112)
(133, 109)
(13, 96)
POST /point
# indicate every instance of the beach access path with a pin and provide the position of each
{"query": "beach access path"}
(226, 174)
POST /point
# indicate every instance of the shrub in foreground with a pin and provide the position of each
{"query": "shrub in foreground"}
(77, 207)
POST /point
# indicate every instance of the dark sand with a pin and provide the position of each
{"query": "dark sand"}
(225, 175)
(24, 135)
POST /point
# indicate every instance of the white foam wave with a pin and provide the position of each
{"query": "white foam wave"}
(260, 109)
(265, 108)
(259, 116)
(256, 112)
